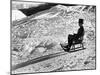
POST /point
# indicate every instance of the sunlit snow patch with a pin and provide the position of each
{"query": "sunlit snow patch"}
(17, 15)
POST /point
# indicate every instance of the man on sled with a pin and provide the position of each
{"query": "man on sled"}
(76, 38)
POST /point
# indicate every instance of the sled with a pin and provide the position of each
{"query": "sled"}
(76, 42)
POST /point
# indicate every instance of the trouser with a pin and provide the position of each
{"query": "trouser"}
(71, 38)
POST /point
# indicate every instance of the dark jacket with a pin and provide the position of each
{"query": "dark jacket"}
(80, 32)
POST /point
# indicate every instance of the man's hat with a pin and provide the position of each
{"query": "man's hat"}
(81, 21)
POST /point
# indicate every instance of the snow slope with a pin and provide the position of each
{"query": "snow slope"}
(41, 34)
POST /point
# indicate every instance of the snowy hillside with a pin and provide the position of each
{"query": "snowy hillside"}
(40, 34)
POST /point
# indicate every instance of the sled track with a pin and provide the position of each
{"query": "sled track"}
(39, 59)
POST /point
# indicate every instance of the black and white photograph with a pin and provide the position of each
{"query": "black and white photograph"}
(52, 37)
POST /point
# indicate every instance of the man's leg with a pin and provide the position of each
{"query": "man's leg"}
(70, 41)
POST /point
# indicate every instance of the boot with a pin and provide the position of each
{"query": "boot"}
(67, 48)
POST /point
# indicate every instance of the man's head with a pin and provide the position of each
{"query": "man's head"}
(80, 22)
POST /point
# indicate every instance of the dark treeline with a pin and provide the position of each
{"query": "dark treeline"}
(34, 10)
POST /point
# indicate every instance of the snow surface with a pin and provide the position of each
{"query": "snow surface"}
(42, 34)
(17, 15)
